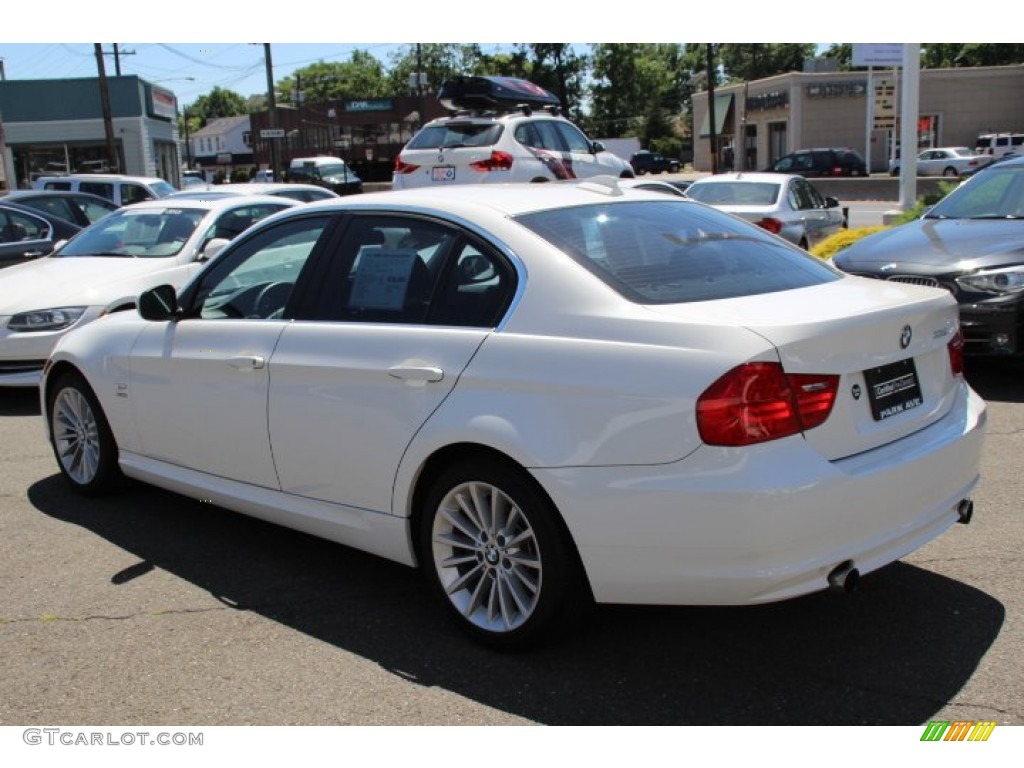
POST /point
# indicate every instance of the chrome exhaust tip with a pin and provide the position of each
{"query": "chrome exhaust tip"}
(844, 577)
(965, 511)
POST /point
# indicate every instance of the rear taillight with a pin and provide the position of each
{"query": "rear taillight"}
(498, 161)
(956, 353)
(757, 402)
(772, 225)
(403, 167)
(837, 171)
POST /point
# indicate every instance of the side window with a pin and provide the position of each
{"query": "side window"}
(573, 138)
(97, 188)
(133, 193)
(802, 162)
(63, 186)
(784, 164)
(16, 227)
(477, 290)
(256, 279)
(526, 135)
(386, 270)
(547, 136)
(816, 200)
(800, 195)
(93, 210)
(231, 224)
(58, 206)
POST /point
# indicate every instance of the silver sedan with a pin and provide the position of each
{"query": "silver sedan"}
(785, 205)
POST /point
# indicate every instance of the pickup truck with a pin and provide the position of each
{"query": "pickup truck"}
(644, 162)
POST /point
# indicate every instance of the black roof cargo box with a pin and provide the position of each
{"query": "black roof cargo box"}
(494, 93)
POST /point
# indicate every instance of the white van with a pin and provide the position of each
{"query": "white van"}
(998, 144)
(122, 190)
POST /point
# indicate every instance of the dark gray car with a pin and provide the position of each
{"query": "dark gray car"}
(972, 244)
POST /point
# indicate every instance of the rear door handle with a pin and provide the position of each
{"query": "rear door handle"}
(246, 362)
(416, 374)
(32, 254)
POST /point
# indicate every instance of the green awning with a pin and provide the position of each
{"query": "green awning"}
(723, 103)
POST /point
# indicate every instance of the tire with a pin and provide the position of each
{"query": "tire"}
(498, 557)
(895, 171)
(950, 172)
(82, 442)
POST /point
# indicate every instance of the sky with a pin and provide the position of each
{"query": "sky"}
(173, 45)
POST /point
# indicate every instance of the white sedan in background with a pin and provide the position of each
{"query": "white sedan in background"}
(946, 161)
(541, 394)
(106, 266)
(786, 205)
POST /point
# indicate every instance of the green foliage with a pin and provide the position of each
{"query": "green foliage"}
(753, 61)
(844, 238)
(945, 55)
(638, 88)
(361, 77)
(220, 102)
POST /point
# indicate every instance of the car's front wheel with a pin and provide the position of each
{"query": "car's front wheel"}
(950, 172)
(497, 554)
(80, 435)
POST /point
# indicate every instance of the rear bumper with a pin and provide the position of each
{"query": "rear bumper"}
(742, 526)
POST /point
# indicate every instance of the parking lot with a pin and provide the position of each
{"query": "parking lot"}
(152, 608)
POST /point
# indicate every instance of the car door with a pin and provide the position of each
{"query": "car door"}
(198, 384)
(23, 236)
(404, 304)
(812, 216)
(585, 161)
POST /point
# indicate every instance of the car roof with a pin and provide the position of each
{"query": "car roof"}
(207, 203)
(505, 199)
(772, 178)
(24, 194)
(248, 188)
(100, 177)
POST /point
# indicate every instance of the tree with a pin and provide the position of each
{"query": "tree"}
(440, 62)
(947, 55)
(361, 77)
(639, 89)
(754, 61)
(219, 102)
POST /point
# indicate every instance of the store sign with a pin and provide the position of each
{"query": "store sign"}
(368, 105)
(163, 103)
(224, 158)
(878, 54)
(885, 104)
(772, 100)
(840, 88)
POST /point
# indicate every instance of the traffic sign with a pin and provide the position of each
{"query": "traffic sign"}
(272, 133)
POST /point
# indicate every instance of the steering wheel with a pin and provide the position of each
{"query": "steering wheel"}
(272, 299)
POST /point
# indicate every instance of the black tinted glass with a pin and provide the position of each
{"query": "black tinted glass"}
(674, 252)
(456, 135)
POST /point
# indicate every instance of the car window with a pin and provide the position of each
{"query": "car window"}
(16, 227)
(97, 188)
(137, 233)
(735, 192)
(456, 135)
(668, 252)
(803, 162)
(544, 136)
(134, 193)
(57, 206)
(476, 291)
(63, 186)
(801, 197)
(996, 193)
(94, 210)
(573, 137)
(256, 279)
(234, 222)
(785, 164)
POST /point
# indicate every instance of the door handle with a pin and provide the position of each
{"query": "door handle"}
(31, 254)
(416, 374)
(246, 362)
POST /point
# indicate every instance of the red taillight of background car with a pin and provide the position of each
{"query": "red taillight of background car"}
(757, 402)
(837, 171)
(772, 225)
(956, 353)
(498, 161)
(403, 167)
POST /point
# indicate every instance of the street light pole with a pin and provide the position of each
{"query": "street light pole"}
(275, 148)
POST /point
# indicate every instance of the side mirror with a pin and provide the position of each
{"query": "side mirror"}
(597, 146)
(58, 245)
(831, 202)
(213, 247)
(160, 303)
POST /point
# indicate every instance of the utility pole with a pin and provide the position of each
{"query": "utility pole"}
(108, 123)
(117, 54)
(275, 147)
(711, 108)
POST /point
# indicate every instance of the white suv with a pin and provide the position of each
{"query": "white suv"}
(488, 149)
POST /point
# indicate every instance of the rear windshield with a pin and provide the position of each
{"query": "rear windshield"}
(456, 135)
(735, 192)
(671, 252)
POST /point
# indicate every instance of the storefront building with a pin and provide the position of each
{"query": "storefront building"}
(56, 126)
(760, 121)
(367, 133)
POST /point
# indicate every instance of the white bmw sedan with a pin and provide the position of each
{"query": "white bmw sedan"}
(540, 395)
(106, 266)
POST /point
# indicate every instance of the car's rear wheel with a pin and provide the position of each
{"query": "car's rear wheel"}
(949, 172)
(81, 437)
(497, 554)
